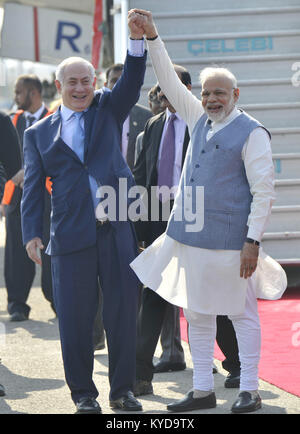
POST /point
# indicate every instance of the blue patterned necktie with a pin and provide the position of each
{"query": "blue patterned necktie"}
(78, 147)
(78, 136)
(167, 159)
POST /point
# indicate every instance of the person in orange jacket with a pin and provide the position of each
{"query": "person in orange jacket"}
(28, 97)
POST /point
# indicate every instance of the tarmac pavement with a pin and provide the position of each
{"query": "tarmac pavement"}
(31, 371)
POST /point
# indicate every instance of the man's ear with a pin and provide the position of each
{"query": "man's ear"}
(236, 94)
(58, 86)
(94, 82)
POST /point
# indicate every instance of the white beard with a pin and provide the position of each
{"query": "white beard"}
(222, 114)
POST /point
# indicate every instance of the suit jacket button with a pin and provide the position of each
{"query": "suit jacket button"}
(197, 166)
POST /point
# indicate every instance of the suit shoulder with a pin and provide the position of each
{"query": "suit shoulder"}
(3, 116)
(142, 109)
(101, 94)
(45, 122)
(160, 117)
(141, 113)
(6, 121)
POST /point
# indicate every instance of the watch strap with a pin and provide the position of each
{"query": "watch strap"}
(251, 241)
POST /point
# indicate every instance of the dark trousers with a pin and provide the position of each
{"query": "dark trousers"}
(19, 270)
(168, 327)
(76, 290)
(170, 337)
(226, 339)
(150, 321)
(99, 334)
(149, 326)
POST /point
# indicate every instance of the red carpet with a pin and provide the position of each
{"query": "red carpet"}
(280, 354)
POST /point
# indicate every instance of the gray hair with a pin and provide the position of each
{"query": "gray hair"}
(217, 71)
(60, 70)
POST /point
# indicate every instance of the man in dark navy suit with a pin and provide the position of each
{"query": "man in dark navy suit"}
(79, 148)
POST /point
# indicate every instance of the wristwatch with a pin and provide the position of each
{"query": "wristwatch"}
(251, 241)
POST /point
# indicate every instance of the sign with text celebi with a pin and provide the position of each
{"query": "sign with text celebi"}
(45, 35)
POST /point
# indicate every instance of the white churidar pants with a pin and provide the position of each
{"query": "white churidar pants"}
(202, 335)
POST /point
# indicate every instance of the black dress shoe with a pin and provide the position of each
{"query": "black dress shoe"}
(2, 390)
(88, 406)
(126, 402)
(246, 403)
(143, 387)
(169, 367)
(189, 403)
(233, 380)
(18, 316)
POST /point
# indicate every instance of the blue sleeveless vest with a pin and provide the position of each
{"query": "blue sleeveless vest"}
(217, 166)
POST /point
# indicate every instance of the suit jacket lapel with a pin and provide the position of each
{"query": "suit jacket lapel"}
(88, 126)
(158, 133)
(185, 145)
(93, 113)
(56, 124)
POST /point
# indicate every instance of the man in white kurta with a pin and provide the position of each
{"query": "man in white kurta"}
(207, 281)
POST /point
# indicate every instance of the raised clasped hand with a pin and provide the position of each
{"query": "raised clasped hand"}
(141, 22)
(136, 24)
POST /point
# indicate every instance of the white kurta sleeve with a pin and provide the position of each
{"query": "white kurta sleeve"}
(186, 104)
(257, 156)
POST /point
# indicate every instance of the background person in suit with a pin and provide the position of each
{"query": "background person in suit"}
(28, 97)
(156, 312)
(134, 123)
(79, 147)
(10, 159)
(172, 357)
(156, 106)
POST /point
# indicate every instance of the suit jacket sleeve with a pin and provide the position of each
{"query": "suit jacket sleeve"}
(32, 206)
(126, 92)
(10, 155)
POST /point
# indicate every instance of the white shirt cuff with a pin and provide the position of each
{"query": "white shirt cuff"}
(254, 234)
(136, 47)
